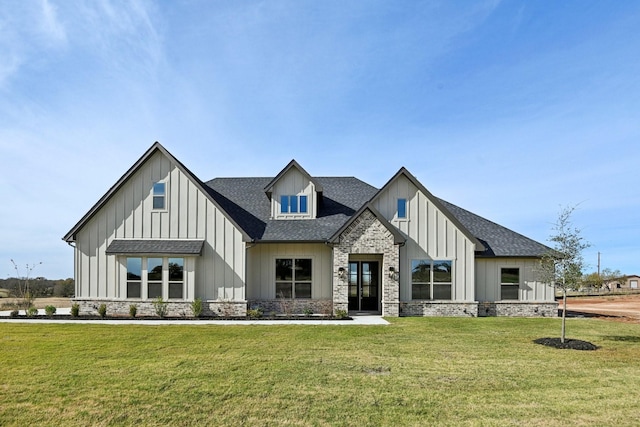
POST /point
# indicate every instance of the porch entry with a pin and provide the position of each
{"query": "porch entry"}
(364, 285)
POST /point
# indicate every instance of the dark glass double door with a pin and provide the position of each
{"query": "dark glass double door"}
(364, 286)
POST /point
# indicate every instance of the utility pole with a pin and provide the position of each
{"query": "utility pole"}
(598, 264)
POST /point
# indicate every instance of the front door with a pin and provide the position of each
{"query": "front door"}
(364, 286)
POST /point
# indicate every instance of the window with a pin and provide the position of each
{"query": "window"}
(134, 277)
(154, 278)
(509, 283)
(293, 204)
(159, 193)
(176, 278)
(431, 279)
(293, 278)
(303, 204)
(402, 208)
(633, 284)
(164, 278)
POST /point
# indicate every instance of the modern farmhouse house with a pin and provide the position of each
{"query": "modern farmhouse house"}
(296, 242)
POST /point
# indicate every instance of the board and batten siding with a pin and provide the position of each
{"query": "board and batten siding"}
(432, 235)
(217, 274)
(261, 277)
(293, 183)
(488, 280)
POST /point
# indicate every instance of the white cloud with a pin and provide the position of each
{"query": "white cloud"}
(50, 26)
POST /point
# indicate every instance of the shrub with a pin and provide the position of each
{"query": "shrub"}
(341, 314)
(75, 310)
(307, 311)
(133, 310)
(32, 312)
(161, 307)
(196, 307)
(254, 313)
(102, 310)
(50, 310)
(14, 313)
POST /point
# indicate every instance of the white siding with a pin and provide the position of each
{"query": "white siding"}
(261, 276)
(432, 235)
(292, 183)
(488, 280)
(217, 274)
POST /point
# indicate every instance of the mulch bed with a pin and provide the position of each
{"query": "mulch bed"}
(568, 344)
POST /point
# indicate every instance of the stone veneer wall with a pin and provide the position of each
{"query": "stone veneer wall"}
(517, 309)
(293, 306)
(89, 307)
(367, 235)
(439, 308)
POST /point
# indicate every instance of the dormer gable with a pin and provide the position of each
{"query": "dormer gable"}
(398, 200)
(294, 194)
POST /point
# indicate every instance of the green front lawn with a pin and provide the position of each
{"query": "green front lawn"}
(444, 371)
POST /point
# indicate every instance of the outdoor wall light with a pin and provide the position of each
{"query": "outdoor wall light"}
(392, 273)
(341, 272)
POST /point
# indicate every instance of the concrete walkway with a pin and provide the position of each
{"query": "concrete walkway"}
(357, 321)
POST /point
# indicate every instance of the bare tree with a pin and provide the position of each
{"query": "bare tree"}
(563, 266)
(23, 292)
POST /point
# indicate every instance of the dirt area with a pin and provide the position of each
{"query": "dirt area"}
(622, 308)
(41, 302)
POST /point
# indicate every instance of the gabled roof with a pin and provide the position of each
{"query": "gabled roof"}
(436, 202)
(156, 147)
(246, 203)
(398, 236)
(292, 164)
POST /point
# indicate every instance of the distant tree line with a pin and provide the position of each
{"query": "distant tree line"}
(41, 287)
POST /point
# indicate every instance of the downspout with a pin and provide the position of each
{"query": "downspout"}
(247, 246)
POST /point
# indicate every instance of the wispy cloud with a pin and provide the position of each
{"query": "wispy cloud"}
(50, 26)
(122, 34)
(27, 29)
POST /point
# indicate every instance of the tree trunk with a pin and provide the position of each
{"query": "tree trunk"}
(564, 314)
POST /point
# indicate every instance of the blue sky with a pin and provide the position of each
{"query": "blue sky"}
(510, 109)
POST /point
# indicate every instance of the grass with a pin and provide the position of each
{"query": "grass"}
(442, 371)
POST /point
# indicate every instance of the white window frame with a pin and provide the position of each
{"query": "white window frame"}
(165, 196)
(406, 209)
(297, 204)
(165, 282)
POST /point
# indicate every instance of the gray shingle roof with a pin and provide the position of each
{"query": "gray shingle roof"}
(498, 240)
(246, 201)
(152, 247)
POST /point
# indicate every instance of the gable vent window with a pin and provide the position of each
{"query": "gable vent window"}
(293, 204)
(159, 195)
(402, 208)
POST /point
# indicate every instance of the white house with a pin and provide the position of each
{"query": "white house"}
(297, 242)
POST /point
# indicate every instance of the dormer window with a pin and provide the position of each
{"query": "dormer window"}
(293, 204)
